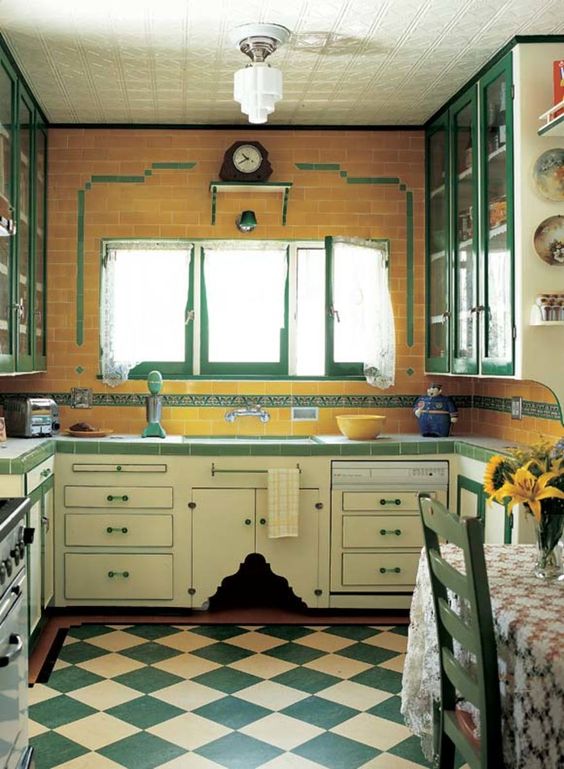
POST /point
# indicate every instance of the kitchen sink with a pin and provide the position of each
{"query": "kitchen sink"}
(257, 439)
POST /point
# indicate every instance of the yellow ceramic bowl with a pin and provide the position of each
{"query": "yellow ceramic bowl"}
(361, 427)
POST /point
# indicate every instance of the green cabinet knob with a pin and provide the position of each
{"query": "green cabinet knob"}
(125, 498)
(262, 521)
(248, 521)
(397, 532)
(118, 468)
(395, 570)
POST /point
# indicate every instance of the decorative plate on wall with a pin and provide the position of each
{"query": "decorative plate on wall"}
(549, 240)
(548, 174)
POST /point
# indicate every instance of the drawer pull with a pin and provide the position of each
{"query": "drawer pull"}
(112, 574)
(395, 570)
(45, 473)
(248, 521)
(262, 521)
(397, 532)
(111, 529)
(112, 498)
(390, 501)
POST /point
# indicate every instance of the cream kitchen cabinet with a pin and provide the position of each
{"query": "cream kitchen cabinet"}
(122, 531)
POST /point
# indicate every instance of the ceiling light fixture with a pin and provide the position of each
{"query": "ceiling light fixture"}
(258, 86)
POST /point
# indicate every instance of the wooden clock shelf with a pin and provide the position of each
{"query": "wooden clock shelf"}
(278, 187)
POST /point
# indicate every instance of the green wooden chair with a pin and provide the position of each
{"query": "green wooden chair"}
(454, 727)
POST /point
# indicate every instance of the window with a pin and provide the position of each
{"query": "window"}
(247, 309)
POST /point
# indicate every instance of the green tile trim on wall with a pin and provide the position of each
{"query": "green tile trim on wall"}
(403, 187)
(81, 208)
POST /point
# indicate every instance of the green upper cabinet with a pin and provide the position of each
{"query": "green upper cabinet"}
(40, 261)
(7, 200)
(23, 304)
(470, 313)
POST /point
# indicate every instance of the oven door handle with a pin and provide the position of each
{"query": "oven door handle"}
(15, 640)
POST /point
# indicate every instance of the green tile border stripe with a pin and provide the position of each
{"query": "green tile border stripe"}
(396, 181)
(81, 210)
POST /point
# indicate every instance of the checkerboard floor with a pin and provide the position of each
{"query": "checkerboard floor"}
(224, 697)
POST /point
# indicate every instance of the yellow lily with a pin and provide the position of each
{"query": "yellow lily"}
(530, 489)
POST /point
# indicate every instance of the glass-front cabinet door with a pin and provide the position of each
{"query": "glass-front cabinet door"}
(497, 285)
(40, 266)
(25, 239)
(7, 244)
(437, 272)
(464, 159)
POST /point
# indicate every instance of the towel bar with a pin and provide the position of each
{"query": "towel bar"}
(215, 470)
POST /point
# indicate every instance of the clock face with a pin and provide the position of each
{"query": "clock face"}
(247, 159)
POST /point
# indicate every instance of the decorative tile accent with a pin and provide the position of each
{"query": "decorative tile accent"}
(79, 370)
(410, 371)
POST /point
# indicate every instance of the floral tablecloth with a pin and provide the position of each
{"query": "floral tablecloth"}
(529, 626)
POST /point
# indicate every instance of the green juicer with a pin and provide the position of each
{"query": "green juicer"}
(154, 407)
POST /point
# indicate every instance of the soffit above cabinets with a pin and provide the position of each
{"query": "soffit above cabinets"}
(348, 62)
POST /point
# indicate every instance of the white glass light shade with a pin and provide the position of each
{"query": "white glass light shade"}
(257, 88)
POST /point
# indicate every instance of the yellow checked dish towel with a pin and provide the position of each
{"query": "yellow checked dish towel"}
(283, 502)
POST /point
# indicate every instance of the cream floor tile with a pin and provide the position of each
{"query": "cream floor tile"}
(117, 640)
(325, 642)
(317, 627)
(120, 627)
(354, 695)
(335, 665)
(97, 731)
(290, 761)
(389, 761)
(61, 665)
(396, 663)
(69, 639)
(104, 695)
(371, 730)
(188, 695)
(189, 731)
(391, 641)
(90, 761)
(184, 627)
(272, 695)
(185, 641)
(282, 731)
(34, 729)
(190, 761)
(263, 666)
(110, 665)
(186, 665)
(255, 642)
(40, 693)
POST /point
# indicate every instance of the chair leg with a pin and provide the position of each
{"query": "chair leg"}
(443, 747)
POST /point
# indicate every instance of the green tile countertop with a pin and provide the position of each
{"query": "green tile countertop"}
(18, 455)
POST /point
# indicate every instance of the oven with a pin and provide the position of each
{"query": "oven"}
(14, 750)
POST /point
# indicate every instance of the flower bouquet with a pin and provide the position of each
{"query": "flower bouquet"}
(534, 477)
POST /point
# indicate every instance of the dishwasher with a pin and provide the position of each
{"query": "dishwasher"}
(376, 533)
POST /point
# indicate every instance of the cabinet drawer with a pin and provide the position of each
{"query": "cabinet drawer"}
(118, 497)
(112, 467)
(383, 501)
(118, 530)
(115, 576)
(382, 531)
(366, 569)
(35, 477)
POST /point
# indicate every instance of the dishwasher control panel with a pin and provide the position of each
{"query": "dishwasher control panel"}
(414, 475)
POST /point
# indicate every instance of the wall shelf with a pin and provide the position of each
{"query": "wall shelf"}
(553, 125)
(278, 187)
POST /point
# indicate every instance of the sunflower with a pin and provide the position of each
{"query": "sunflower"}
(495, 475)
(530, 489)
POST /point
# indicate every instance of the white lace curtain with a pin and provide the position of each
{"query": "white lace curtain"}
(367, 278)
(143, 306)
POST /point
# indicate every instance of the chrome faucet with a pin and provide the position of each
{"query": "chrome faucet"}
(256, 410)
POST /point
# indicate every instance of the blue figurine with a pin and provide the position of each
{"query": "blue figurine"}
(435, 413)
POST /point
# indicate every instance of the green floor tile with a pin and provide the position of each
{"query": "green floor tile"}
(237, 751)
(389, 710)
(89, 631)
(380, 678)
(219, 632)
(295, 653)
(141, 751)
(232, 712)
(401, 630)
(80, 652)
(72, 678)
(145, 712)
(227, 680)
(52, 749)
(150, 653)
(354, 632)
(373, 655)
(148, 679)
(58, 711)
(410, 749)
(222, 653)
(287, 632)
(306, 680)
(151, 632)
(336, 752)
(320, 712)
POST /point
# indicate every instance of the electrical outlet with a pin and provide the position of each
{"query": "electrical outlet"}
(516, 407)
(305, 414)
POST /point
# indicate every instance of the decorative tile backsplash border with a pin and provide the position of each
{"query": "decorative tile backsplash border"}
(535, 409)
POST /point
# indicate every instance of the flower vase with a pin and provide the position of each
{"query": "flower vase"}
(549, 529)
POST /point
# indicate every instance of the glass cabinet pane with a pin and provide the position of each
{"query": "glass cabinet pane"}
(6, 197)
(24, 233)
(40, 239)
(437, 271)
(6, 138)
(498, 283)
(464, 150)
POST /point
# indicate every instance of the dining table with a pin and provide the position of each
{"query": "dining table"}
(528, 615)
